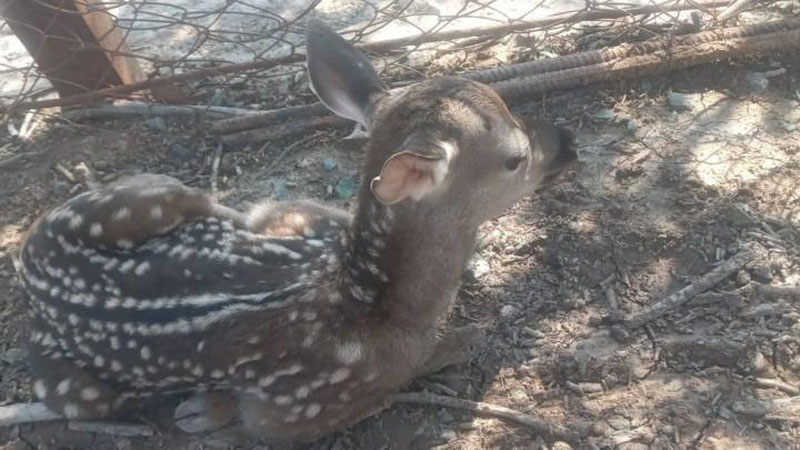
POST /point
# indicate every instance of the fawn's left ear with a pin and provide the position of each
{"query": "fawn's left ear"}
(341, 76)
(413, 173)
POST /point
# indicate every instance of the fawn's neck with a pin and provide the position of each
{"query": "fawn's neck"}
(406, 263)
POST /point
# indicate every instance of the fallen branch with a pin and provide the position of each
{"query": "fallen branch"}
(37, 412)
(772, 407)
(144, 109)
(704, 283)
(574, 434)
(772, 383)
(735, 8)
(26, 413)
(792, 292)
(117, 429)
(282, 130)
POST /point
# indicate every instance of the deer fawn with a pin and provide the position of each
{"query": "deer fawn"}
(296, 319)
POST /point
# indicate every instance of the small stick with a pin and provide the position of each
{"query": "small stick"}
(576, 433)
(792, 292)
(26, 413)
(772, 383)
(733, 9)
(65, 172)
(706, 282)
(759, 408)
(37, 412)
(130, 109)
(215, 169)
(115, 428)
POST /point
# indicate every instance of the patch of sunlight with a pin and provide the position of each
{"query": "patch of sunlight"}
(10, 236)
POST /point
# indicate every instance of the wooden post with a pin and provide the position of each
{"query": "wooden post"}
(76, 45)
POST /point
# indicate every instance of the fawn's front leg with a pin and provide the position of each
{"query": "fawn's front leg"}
(452, 348)
(204, 412)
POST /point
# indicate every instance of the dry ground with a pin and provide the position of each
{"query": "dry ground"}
(659, 198)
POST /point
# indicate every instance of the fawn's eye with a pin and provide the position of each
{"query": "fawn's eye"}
(514, 162)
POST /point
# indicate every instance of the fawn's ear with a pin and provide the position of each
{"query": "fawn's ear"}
(341, 76)
(412, 174)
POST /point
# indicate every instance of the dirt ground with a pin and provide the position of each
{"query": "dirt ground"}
(659, 198)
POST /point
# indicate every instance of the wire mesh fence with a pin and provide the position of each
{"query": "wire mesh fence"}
(184, 50)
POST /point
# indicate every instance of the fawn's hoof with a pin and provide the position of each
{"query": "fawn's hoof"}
(203, 413)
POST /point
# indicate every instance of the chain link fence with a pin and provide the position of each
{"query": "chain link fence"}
(185, 51)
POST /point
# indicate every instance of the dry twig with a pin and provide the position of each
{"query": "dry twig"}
(575, 434)
(704, 283)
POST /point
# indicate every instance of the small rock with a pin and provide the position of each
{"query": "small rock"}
(507, 311)
(346, 187)
(478, 267)
(279, 189)
(179, 153)
(558, 445)
(15, 355)
(328, 164)
(743, 277)
(762, 274)
(631, 125)
(618, 422)
(678, 101)
(619, 333)
(218, 98)
(604, 115)
(757, 81)
(789, 126)
(155, 124)
(444, 416)
(447, 435)
(740, 215)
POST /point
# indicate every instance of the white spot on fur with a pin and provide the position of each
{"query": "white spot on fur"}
(90, 394)
(156, 212)
(266, 381)
(142, 268)
(350, 352)
(339, 375)
(122, 213)
(283, 400)
(95, 229)
(313, 410)
(63, 386)
(71, 411)
(40, 389)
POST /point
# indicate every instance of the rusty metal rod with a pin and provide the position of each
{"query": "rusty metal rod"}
(565, 71)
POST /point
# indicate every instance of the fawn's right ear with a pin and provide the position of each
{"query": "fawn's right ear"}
(341, 76)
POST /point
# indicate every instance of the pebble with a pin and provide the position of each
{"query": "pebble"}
(743, 277)
(345, 188)
(605, 115)
(279, 189)
(478, 267)
(328, 164)
(155, 124)
(757, 81)
(507, 310)
(15, 355)
(678, 101)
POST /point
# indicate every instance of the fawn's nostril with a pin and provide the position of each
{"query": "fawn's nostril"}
(514, 162)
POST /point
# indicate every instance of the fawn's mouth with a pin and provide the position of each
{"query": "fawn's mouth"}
(558, 177)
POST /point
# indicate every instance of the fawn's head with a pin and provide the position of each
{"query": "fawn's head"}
(447, 144)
